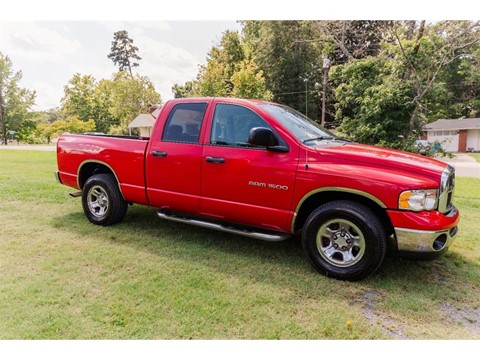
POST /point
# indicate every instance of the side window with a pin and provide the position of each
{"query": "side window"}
(232, 124)
(184, 123)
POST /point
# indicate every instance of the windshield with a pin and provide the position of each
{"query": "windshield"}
(304, 129)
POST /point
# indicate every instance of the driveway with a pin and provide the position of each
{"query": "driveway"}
(29, 147)
(464, 164)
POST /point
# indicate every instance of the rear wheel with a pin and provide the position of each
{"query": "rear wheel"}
(344, 239)
(102, 201)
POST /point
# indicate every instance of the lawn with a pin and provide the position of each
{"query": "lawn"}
(64, 278)
(476, 156)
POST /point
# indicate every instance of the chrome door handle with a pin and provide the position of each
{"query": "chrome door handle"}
(215, 160)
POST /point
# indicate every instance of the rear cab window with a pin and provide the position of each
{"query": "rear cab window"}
(184, 123)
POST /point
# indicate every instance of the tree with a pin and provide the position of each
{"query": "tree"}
(15, 101)
(289, 55)
(429, 55)
(88, 99)
(372, 100)
(214, 78)
(182, 91)
(130, 96)
(79, 97)
(111, 104)
(230, 71)
(412, 80)
(248, 82)
(123, 53)
(348, 40)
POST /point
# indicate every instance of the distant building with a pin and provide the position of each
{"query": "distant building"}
(145, 122)
(455, 135)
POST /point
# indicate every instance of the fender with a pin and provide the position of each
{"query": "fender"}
(333, 189)
(101, 163)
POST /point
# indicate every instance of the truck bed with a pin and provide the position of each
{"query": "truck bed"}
(123, 155)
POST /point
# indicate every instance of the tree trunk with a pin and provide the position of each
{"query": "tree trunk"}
(411, 28)
(2, 120)
(421, 30)
(338, 42)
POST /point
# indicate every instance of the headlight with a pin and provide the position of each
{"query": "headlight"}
(418, 200)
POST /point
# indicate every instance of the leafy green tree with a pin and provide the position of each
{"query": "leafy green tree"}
(289, 55)
(248, 82)
(123, 53)
(214, 78)
(230, 71)
(15, 102)
(79, 97)
(433, 61)
(71, 124)
(104, 101)
(372, 101)
(182, 91)
(130, 96)
(86, 98)
(410, 82)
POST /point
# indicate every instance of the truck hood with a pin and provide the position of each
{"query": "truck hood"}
(385, 158)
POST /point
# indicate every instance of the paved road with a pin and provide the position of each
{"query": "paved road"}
(29, 147)
(464, 164)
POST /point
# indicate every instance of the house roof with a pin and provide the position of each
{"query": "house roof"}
(142, 120)
(453, 124)
(156, 112)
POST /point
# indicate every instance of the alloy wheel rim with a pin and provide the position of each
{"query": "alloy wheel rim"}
(340, 242)
(97, 200)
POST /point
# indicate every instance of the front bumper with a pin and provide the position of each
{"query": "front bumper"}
(416, 240)
(424, 243)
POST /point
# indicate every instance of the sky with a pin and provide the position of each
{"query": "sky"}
(51, 40)
(49, 53)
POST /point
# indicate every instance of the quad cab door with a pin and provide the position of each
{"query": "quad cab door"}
(242, 183)
(173, 168)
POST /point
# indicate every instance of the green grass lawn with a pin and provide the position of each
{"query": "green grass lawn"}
(476, 156)
(64, 278)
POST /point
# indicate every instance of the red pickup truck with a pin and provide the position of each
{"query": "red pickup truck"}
(264, 170)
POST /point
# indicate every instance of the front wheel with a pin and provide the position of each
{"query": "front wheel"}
(102, 201)
(344, 239)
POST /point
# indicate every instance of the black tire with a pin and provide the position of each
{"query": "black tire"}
(344, 240)
(102, 202)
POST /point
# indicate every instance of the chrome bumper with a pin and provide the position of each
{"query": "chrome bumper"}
(419, 241)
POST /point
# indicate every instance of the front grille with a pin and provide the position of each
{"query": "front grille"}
(447, 189)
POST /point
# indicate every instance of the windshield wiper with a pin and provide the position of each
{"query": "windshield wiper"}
(318, 138)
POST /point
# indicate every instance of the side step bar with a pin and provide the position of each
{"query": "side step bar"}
(232, 230)
(75, 194)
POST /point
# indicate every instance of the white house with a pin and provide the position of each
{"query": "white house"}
(145, 122)
(455, 135)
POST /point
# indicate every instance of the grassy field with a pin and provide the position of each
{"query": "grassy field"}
(64, 278)
(476, 156)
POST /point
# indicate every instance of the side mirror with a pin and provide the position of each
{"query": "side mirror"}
(260, 136)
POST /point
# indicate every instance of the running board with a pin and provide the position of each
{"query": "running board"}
(232, 230)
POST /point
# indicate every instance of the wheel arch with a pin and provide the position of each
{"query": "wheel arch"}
(89, 168)
(317, 197)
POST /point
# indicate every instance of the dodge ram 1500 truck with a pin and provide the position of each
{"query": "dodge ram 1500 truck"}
(266, 171)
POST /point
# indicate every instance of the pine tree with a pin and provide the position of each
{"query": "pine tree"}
(122, 52)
